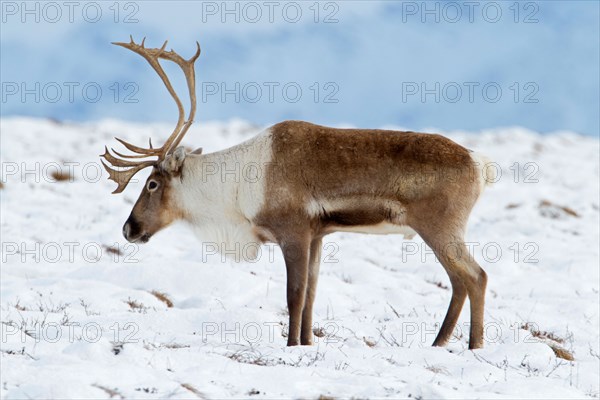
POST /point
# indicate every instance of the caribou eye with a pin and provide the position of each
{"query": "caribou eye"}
(152, 186)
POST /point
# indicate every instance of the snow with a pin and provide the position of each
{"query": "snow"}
(79, 321)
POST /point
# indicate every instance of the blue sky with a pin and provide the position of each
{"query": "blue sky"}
(419, 65)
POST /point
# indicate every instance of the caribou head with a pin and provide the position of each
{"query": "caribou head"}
(153, 211)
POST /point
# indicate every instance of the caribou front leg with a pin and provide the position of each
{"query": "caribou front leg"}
(296, 255)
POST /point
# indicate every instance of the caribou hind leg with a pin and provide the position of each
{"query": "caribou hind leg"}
(468, 279)
(459, 295)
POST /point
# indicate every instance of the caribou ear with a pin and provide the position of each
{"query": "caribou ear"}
(198, 151)
(174, 161)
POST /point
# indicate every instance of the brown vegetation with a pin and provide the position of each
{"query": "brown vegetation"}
(554, 341)
(61, 176)
(162, 297)
(555, 211)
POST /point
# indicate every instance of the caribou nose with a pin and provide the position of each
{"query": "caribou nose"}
(126, 230)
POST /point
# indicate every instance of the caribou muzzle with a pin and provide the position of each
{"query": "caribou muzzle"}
(133, 231)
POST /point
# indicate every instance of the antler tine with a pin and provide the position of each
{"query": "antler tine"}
(190, 76)
(142, 153)
(139, 150)
(129, 156)
(187, 67)
(118, 162)
(123, 177)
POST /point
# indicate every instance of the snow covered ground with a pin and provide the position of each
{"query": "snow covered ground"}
(85, 315)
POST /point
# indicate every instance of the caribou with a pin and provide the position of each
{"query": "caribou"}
(310, 181)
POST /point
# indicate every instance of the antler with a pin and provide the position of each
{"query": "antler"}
(122, 177)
